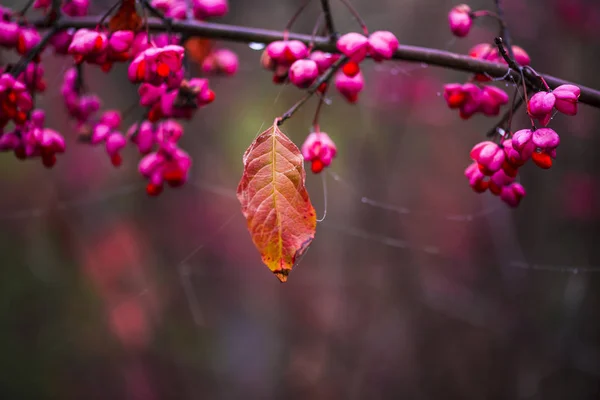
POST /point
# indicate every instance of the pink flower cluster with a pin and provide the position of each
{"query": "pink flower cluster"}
(32, 140)
(163, 160)
(495, 165)
(470, 98)
(155, 65)
(291, 59)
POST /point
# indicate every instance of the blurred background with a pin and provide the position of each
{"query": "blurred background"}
(414, 287)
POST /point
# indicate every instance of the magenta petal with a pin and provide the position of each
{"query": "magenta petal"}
(114, 143)
(541, 104)
(520, 138)
(545, 138)
(353, 45)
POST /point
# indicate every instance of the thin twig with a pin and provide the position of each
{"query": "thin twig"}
(329, 20)
(504, 33)
(507, 117)
(294, 18)
(327, 75)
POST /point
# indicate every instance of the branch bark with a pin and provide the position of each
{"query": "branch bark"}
(426, 55)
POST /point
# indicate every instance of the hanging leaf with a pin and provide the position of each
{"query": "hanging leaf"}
(126, 18)
(280, 216)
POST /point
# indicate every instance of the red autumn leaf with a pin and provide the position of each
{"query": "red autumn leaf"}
(280, 216)
(126, 18)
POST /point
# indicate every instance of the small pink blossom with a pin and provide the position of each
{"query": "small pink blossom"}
(354, 46)
(382, 45)
(460, 20)
(76, 8)
(303, 73)
(169, 164)
(492, 98)
(512, 194)
(477, 180)
(323, 60)
(348, 86)
(541, 105)
(9, 34)
(155, 65)
(489, 156)
(87, 44)
(221, 61)
(286, 52)
(319, 149)
(567, 97)
(27, 40)
(204, 9)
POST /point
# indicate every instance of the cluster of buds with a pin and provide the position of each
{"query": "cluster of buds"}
(470, 98)
(495, 165)
(32, 140)
(292, 60)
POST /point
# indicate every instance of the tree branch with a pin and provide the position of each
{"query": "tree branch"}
(429, 56)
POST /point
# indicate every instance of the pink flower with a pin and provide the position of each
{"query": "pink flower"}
(156, 65)
(467, 98)
(540, 144)
(499, 180)
(15, 101)
(222, 61)
(354, 45)
(120, 41)
(567, 97)
(540, 106)
(323, 60)
(492, 98)
(285, 53)
(169, 164)
(489, 156)
(210, 8)
(319, 149)
(114, 143)
(303, 73)
(546, 141)
(150, 94)
(27, 40)
(143, 136)
(9, 34)
(76, 8)
(477, 180)
(33, 77)
(183, 102)
(61, 41)
(460, 20)
(348, 86)
(382, 45)
(512, 194)
(87, 44)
